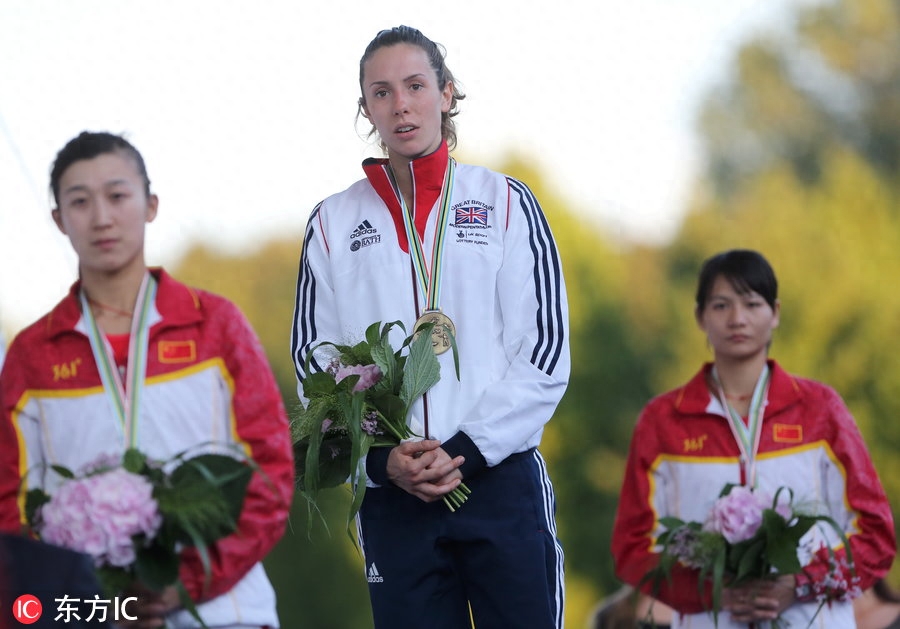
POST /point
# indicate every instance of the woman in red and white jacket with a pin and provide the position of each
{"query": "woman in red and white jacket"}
(205, 381)
(743, 420)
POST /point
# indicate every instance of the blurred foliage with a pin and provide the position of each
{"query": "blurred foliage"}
(261, 283)
(831, 82)
(318, 576)
(803, 158)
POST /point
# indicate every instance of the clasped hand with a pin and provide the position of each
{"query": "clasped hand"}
(424, 469)
(150, 608)
(760, 600)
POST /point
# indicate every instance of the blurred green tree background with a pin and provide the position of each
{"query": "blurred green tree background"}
(802, 162)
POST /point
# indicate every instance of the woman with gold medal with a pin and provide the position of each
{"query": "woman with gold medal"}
(424, 239)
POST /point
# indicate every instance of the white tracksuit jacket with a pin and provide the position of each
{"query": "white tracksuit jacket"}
(502, 287)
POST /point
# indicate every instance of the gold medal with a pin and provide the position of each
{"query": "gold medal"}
(440, 333)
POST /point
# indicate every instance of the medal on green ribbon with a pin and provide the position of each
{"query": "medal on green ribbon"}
(124, 394)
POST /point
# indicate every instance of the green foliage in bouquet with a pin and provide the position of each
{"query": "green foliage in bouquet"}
(187, 501)
(747, 536)
(362, 400)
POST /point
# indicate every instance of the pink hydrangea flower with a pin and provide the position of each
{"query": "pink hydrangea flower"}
(737, 515)
(99, 514)
(368, 375)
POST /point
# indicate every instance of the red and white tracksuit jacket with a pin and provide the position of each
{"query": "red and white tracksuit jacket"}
(683, 453)
(207, 380)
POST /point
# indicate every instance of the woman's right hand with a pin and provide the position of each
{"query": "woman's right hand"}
(424, 469)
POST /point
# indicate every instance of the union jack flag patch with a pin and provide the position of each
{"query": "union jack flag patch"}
(471, 216)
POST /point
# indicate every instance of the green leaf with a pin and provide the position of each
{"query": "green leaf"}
(225, 473)
(157, 566)
(746, 558)
(360, 441)
(63, 471)
(114, 580)
(309, 419)
(373, 333)
(727, 489)
(188, 603)
(359, 483)
(392, 416)
(333, 468)
(718, 577)
(391, 372)
(803, 523)
(455, 350)
(671, 523)
(34, 500)
(310, 462)
(204, 498)
(359, 354)
(422, 370)
(318, 384)
(782, 555)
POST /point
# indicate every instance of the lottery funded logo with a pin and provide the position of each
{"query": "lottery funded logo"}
(27, 609)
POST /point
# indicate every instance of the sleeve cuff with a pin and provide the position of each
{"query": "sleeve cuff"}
(376, 465)
(461, 443)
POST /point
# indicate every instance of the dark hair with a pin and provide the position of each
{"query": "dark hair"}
(89, 145)
(436, 54)
(746, 270)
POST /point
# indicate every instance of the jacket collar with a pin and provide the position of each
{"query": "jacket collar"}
(176, 304)
(428, 179)
(694, 397)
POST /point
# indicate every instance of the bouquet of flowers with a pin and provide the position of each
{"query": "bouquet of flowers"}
(361, 400)
(748, 536)
(133, 515)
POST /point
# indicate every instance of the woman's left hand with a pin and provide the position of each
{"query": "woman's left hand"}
(761, 600)
(150, 608)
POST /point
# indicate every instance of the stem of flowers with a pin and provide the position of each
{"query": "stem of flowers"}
(384, 423)
(457, 497)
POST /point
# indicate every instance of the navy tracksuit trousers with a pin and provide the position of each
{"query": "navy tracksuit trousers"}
(496, 557)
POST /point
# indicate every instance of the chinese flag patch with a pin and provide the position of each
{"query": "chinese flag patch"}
(177, 351)
(787, 433)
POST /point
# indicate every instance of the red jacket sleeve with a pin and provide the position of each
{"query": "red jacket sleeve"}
(871, 531)
(261, 424)
(10, 391)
